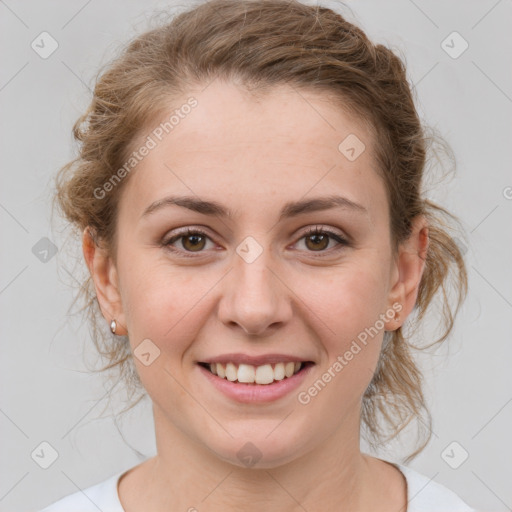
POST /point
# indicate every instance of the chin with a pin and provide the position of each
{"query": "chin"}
(256, 451)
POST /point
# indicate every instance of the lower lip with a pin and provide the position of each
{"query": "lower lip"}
(256, 393)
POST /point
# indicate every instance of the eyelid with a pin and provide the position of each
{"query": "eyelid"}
(186, 231)
(324, 229)
(341, 239)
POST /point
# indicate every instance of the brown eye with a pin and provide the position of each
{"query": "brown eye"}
(317, 242)
(193, 242)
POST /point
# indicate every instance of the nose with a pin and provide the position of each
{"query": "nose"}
(255, 297)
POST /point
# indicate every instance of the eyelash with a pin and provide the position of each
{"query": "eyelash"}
(195, 231)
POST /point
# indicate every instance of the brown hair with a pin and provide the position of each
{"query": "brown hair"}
(261, 43)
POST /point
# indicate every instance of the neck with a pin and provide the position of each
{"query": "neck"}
(332, 475)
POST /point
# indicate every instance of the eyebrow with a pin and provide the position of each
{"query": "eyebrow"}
(290, 209)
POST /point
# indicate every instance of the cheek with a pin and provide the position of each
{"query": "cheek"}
(164, 304)
(347, 315)
(351, 302)
(350, 307)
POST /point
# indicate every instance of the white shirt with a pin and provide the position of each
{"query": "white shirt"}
(423, 495)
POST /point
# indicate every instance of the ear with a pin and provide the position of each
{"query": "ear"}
(408, 267)
(106, 282)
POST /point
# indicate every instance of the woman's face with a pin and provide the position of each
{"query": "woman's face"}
(253, 286)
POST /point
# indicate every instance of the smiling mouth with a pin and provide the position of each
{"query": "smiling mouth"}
(249, 374)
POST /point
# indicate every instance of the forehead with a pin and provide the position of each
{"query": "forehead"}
(286, 143)
(280, 119)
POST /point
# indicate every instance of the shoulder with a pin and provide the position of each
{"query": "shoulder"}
(102, 496)
(425, 495)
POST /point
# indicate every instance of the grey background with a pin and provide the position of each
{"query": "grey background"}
(48, 394)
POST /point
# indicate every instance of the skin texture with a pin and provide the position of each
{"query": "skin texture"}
(253, 156)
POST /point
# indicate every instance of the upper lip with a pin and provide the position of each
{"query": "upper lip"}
(255, 360)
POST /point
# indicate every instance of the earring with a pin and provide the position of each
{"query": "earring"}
(113, 326)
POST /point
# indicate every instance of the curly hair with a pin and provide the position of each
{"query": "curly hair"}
(260, 44)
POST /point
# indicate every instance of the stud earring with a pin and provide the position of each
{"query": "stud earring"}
(113, 326)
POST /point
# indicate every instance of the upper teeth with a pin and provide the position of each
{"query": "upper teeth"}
(264, 374)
